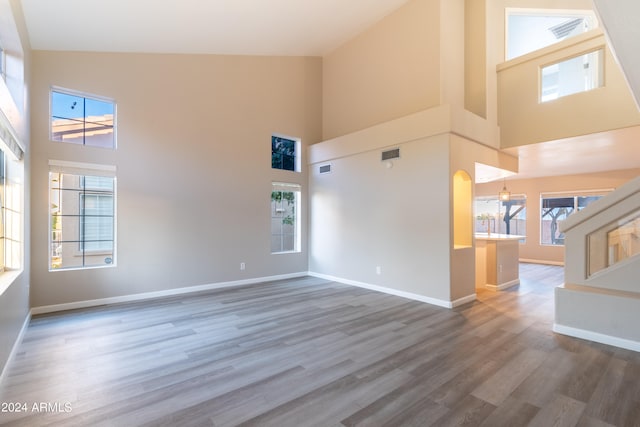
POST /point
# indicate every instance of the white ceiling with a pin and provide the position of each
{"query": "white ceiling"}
(239, 27)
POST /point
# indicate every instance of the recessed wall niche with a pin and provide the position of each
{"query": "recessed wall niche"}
(462, 210)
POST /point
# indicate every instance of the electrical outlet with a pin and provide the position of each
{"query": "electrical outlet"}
(500, 268)
(242, 266)
(378, 270)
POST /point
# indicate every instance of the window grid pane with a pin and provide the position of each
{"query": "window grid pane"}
(82, 220)
(283, 153)
(284, 221)
(82, 120)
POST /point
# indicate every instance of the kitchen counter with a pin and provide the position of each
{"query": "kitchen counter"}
(497, 260)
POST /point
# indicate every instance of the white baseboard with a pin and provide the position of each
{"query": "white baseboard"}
(542, 261)
(502, 286)
(159, 294)
(396, 292)
(597, 337)
(16, 344)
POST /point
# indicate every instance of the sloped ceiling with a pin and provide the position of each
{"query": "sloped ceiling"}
(238, 27)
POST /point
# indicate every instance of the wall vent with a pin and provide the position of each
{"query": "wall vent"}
(391, 154)
(325, 169)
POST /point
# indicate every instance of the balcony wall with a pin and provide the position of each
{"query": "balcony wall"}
(524, 120)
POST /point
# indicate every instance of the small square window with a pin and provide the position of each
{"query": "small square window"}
(285, 153)
(84, 120)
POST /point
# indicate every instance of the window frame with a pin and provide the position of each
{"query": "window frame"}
(575, 195)
(509, 12)
(85, 96)
(283, 187)
(593, 84)
(81, 171)
(499, 221)
(297, 162)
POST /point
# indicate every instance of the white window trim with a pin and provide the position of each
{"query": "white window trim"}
(88, 96)
(298, 141)
(91, 169)
(297, 188)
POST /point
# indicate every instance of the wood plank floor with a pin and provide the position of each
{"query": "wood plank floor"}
(308, 352)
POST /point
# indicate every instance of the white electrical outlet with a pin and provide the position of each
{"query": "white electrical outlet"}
(378, 270)
(242, 266)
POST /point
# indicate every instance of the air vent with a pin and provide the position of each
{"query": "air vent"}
(563, 30)
(391, 154)
(325, 169)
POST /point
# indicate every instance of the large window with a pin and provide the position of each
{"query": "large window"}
(285, 153)
(285, 218)
(82, 220)
(501, 217)
(556, 208)
(82, 119)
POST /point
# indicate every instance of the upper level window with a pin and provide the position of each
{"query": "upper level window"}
(82, 119)
(285, 153)
(574, 75)
(532, 29)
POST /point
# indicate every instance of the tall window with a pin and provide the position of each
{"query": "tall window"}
(502, 217)
(285, 153)
(556, 208)
(285, 218)
(11, 200)
(82, 220)
(81, 119)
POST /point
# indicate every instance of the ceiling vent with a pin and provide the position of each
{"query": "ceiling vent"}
(391, 154)
(325, 169)
(563, 30)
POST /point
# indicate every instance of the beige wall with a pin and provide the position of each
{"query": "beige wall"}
(193, 166)
(364, 215)
(14, 299)
(475, 57)
(523, 119)
(532, 188)
(388, 71)
(496, 38)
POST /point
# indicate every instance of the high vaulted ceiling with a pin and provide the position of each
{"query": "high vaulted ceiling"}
(239, 27)
(288, 28)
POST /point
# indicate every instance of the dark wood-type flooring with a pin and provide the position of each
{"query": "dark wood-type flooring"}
(307, 352)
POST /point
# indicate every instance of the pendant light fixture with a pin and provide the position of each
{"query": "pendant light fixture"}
(504, 195)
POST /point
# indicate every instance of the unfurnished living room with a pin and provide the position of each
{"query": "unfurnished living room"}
(319, 213)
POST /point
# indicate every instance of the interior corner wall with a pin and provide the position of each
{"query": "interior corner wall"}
(365, 214)
(388, 71)
(193, 166)
(532, 188)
